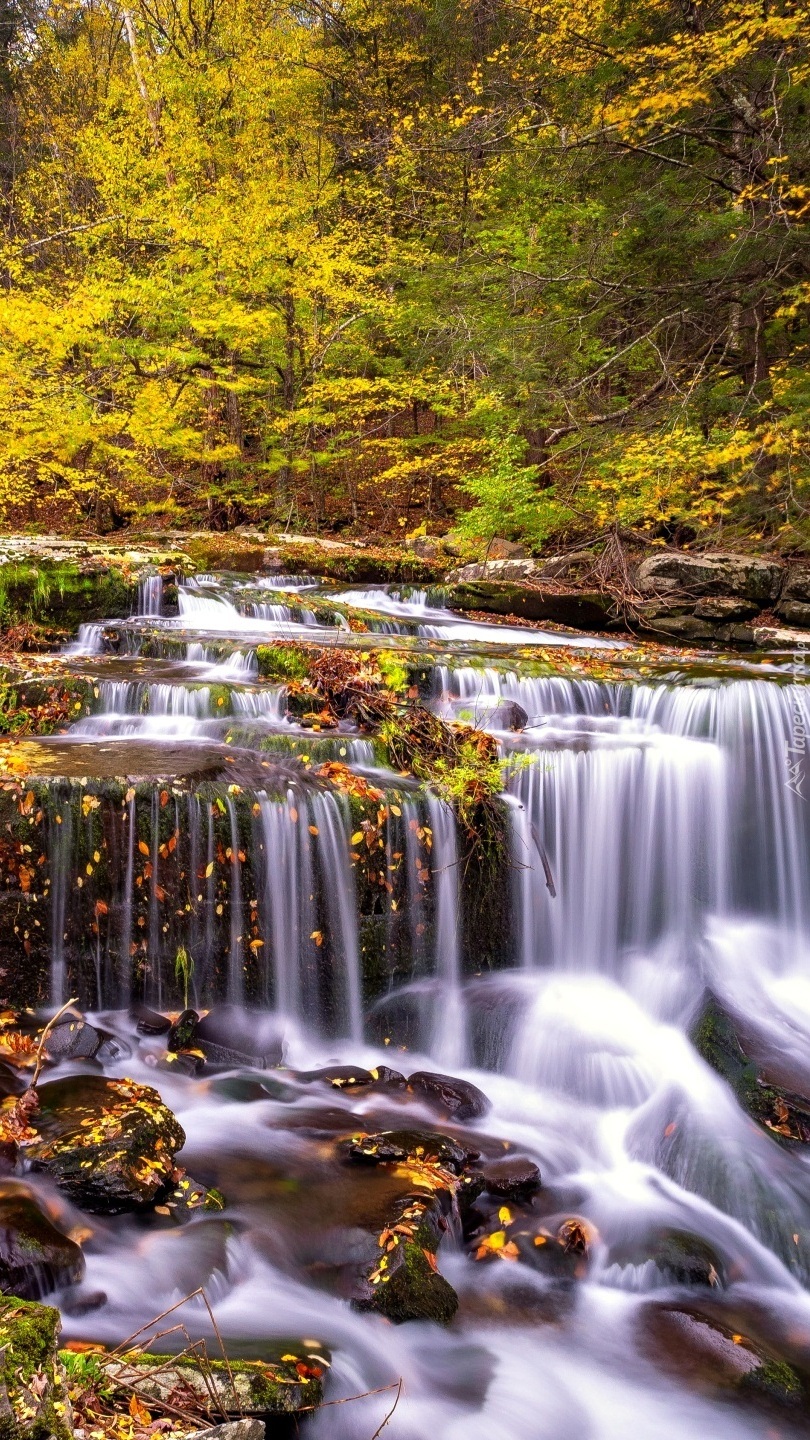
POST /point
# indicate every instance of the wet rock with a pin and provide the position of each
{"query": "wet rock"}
(687, 1259)
(458, 1098)
(508, 715)
(404, 1282)
(108, 1144)
(725, 608)
(227, 1036)
(34, 1400)
(234, 1430)
(73, 1039)
(187, 1199)
(352, 1077)
(784, 1114)
(247, 1088)
(395, 1146)
(35, 1257)
(183, 1032)
(149, 1022)
(702, 1350)
(112, 1050)
(172, 1063)
(217, 1387)
(746, 576)
(77, 1300)
(514, 1177)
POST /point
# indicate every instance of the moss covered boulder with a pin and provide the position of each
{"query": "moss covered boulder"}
(108, 1144)
(34, 1402)
(784, 1114)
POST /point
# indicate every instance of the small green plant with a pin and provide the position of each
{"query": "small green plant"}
(183, 971)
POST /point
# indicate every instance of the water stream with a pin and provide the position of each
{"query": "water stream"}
(655, 847)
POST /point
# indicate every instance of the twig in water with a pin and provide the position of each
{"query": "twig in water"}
(544, 860)
(382, 1426)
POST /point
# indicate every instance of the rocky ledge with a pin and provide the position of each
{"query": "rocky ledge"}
(701, 599)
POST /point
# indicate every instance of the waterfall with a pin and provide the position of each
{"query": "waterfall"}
(150, 595)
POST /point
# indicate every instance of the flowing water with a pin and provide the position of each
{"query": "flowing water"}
(655, 847)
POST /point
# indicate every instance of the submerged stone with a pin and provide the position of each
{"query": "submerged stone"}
(149, 1022)
(109, 1144)
(34, 1400)
(35, 1256)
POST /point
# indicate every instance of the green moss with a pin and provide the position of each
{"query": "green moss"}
(775, 1380)
(415, 1290)
(282, 662)
(32, 1382)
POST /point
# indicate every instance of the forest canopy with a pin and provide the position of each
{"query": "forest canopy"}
(533, 268)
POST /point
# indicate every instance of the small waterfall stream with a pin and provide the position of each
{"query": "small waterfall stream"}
(654, 847)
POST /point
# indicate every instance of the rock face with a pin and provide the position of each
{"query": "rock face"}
(514, 587)
(746, 576)
(34, 1401)
(109, 1144)
(34, 1256)
(785, 1115)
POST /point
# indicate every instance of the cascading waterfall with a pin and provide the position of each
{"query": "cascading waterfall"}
(656, 845)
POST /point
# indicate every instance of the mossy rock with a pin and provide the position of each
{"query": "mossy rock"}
(34, 1401)
(784, 1114)
(404, 1283)
(281, 1386)
(108, 1144)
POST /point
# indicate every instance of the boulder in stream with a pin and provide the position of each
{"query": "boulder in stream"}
(515, 1177)
(714, 1358)
(108, 1144)
(34, 1400)
(785, 1115)
(35, 1256)
(458, 1098)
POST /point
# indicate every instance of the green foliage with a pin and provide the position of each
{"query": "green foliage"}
(509, 499)
(184, 971)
